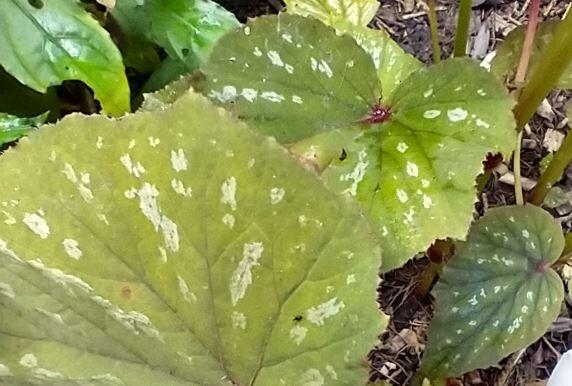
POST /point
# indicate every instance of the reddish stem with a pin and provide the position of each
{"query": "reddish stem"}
(528, 41)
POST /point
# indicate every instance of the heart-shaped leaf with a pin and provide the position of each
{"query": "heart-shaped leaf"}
(178, 248)
(508, 55)
(356, 12)
(498, 295)
(414, 174)
(13, 127)
(46, 42)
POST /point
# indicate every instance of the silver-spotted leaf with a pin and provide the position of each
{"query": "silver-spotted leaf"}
(46, 42)
(498, 294)
(291, 77)
(13, 127)
(415, 174)
(508, 55)
(178, 247)
(334, 13)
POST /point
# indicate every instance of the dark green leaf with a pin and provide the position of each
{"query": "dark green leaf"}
(43, 46)
(498, 295)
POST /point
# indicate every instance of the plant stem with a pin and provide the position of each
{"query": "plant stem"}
(528, 40)
(555, 58)
(463, 28)
(516, 171)
(434, 30)
(553, 173)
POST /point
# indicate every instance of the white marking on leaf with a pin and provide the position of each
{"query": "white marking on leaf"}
(242, 276)
(276, 195)
(357, 174)
(154, 142)
(428, 93)
(482, 123)
(402, 196)
(179, 161)
(72, 248)
(457, 114)
(37, 224)
(427, 201)
(287, 37)
(180, 188)
(10, 220)
(525, 234)
(312, 377)
(69, 173)
(431, 114)
(150, 208)
(238, 320)
(412, 169)
(275, 58)
(67, 281)
(297, 99)
(228, 220)
(350, 279)
(272, 96)
(185, 291)
(402, 147)
(320, 313)
(99, 143)
(135, 169)
(257, 52)
(228, 192)
(28, 360)
(298, 334)
(249, 94)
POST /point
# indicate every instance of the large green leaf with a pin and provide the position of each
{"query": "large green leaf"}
(414, 174)
(291, 77)
(13, 127)
(357, 12)
(178, 248)
(46, 42)
(508, 55)
(498, 295)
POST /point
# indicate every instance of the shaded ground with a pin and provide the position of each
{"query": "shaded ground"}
(401, 346)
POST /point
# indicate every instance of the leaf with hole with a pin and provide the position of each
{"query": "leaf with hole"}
(178, 247)
(508, 55)
(318, 93)
(44, 43)
(498, 295)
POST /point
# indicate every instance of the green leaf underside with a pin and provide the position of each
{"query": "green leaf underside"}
(291, 77)
(492, 298)
(414, 175)
(356, 12)
(508, 55)
(44, 46)
(13, 127)
(178, 248)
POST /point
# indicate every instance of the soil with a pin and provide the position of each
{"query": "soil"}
(396, 358)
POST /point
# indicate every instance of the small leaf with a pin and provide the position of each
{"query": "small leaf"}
(356, 12)
(187, 30)
(291, 77)
(498, 295)
(162, 99)
(44, 45)
(13, 127)
(178, 247)
(508, 55)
